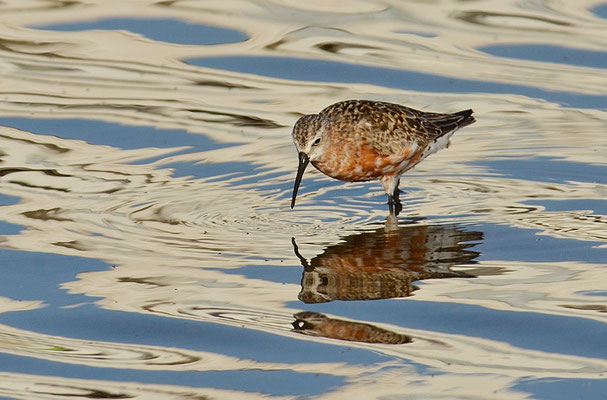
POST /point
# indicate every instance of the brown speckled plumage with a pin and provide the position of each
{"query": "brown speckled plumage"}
(392, 127)
(361, 140)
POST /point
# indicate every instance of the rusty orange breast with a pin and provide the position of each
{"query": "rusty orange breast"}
(349, 160)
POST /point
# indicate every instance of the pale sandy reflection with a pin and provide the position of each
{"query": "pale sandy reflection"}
(101, 354)
(211, 296)
(43, 387)
(8, 305)
(37, 387)
(180, 241)
(448, 353)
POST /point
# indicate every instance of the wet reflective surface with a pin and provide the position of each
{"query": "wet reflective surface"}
(148, 248)
(383, 264)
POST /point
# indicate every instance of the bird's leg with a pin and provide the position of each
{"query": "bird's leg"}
(394, 203)
(391, 205)
(390, 183)
(398, 206)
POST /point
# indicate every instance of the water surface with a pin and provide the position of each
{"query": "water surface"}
(148, 248)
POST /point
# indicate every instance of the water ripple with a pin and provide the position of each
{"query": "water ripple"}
(173, 163)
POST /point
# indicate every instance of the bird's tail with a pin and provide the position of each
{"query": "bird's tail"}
(465, 119)
(449, 123)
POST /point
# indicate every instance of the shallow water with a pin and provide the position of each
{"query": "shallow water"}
(148, 247)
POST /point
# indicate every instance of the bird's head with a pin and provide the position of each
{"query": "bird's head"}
(310, 138)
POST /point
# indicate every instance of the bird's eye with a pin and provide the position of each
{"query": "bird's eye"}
(316, 142)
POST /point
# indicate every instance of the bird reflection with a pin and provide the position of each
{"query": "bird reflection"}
(384, 263)
(316, 324)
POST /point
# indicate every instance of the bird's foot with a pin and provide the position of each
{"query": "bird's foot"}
(394, 205)
(394, 200)
(398, 206)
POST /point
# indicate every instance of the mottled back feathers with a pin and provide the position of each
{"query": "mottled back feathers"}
(361, 140)
(390, 128)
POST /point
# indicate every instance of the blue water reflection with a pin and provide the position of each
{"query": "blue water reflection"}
(111, 134)
(564, 389)
(596, 206)
(545, 169)
(525, 245)
(6, 228)
(601, 10)
(488, 307)
(160, 29)
(37, 276)
(333, 71)
(6, 200)
(277, 382)
(546, 53)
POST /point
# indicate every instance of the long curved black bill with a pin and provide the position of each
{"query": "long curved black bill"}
(303, 163)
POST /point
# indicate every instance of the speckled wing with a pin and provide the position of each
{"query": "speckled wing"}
(392, 128)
